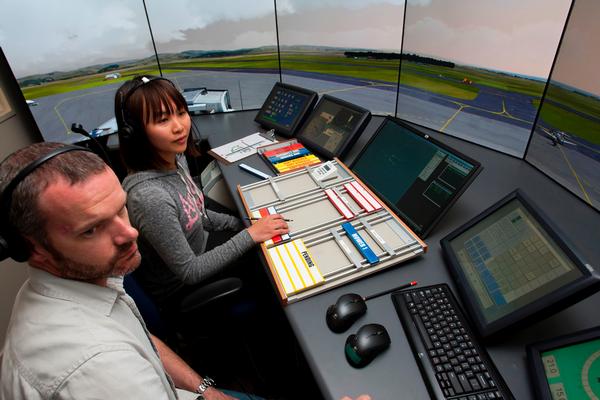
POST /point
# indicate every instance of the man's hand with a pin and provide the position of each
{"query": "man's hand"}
(215, 394)
(268, 227)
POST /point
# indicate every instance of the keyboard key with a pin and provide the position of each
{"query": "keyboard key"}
(458, 367)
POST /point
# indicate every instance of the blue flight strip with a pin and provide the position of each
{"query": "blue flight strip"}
(479, 254)
(360, 244)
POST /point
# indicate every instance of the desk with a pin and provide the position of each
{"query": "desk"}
(394, 374)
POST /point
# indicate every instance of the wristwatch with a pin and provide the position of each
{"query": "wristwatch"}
(203, 387)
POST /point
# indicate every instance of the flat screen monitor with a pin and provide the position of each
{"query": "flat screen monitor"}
(285, 108)
(566, 367)
(417, 176)
(511, 265)
(333, 126)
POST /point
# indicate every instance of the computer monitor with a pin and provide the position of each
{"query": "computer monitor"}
(566, 367)
(285, 108)
(417, 176)
(333, 126)
(511, 265)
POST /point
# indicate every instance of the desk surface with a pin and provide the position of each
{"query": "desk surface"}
(395, 371)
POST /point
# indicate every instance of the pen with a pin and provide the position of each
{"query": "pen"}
(406, 285)
(256, 219)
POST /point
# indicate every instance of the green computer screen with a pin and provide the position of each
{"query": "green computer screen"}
(573, 371)
(418, 177)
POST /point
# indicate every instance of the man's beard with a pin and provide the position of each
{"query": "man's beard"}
(76, 270)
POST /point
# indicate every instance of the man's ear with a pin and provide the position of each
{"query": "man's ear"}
(40, 257)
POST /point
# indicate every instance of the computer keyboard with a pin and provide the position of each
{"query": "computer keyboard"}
(453, 364)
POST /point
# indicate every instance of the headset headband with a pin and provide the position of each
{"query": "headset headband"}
(11, 244)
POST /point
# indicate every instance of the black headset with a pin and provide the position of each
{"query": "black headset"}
(128, 131)
(11, 243)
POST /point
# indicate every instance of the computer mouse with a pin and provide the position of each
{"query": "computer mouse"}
(347, 309)
(366, 344)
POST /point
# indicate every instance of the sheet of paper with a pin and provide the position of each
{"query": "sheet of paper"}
(241, 148)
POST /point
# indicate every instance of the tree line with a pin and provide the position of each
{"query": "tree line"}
(375, 55)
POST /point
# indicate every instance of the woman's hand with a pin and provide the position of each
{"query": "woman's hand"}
(267, 227)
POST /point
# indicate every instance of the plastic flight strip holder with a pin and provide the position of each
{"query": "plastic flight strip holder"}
(296, 270)
(362, 197)
(360, 243)
(287, 187)
(339, 204)
(317, 221)
(377, 237)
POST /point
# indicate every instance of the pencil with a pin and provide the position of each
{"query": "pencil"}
(407, 285)
(256, 219)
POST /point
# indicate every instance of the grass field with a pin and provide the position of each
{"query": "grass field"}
(434, 79)
(585, 104)
(83, 82)
(566, 121)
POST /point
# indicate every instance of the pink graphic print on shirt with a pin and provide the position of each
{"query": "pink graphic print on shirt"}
(192, 202)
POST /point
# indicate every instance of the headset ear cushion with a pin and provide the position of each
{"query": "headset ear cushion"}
(126, 132)
(19, 249)
(14, 246)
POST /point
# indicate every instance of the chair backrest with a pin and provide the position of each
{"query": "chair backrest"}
(147, 308)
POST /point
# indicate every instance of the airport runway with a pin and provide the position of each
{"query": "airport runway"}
(568, 166)
(497, 119)
(92, 107)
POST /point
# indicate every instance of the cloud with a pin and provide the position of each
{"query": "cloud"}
(422, 3)
(503, 34)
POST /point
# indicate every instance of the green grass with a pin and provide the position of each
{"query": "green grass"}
(585, 104)
(480, 77)
(569, 122)
(369, 70)
(434, 79)
(85, 82)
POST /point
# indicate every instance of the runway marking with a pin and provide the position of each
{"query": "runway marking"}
(370, 84)
(67, 129)
(452, 117)
(503, 113)
(587, 198)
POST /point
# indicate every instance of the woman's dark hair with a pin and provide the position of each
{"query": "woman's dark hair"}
(137, 103)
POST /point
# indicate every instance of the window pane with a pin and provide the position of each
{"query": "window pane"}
(228, 48)
(479, 67)
(70, 59)
(348, 49)
(566, 143)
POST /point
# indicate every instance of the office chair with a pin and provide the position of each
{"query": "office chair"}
(169, 328)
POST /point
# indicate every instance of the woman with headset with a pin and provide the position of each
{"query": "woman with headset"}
(164, 202)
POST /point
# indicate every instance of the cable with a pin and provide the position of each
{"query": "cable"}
(79, 129)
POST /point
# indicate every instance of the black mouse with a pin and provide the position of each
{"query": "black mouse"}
(347, 309)
(369, 341)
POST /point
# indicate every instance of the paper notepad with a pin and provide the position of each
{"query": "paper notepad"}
(295, 267)
(241, 148)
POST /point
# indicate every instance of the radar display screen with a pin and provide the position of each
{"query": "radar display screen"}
(567, 367)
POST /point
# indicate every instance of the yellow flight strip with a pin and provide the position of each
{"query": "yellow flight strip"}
(295, 268)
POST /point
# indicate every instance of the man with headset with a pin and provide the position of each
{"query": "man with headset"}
(74, 332)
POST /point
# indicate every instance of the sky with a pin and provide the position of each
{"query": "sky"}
(579, 58)
(518, 36)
